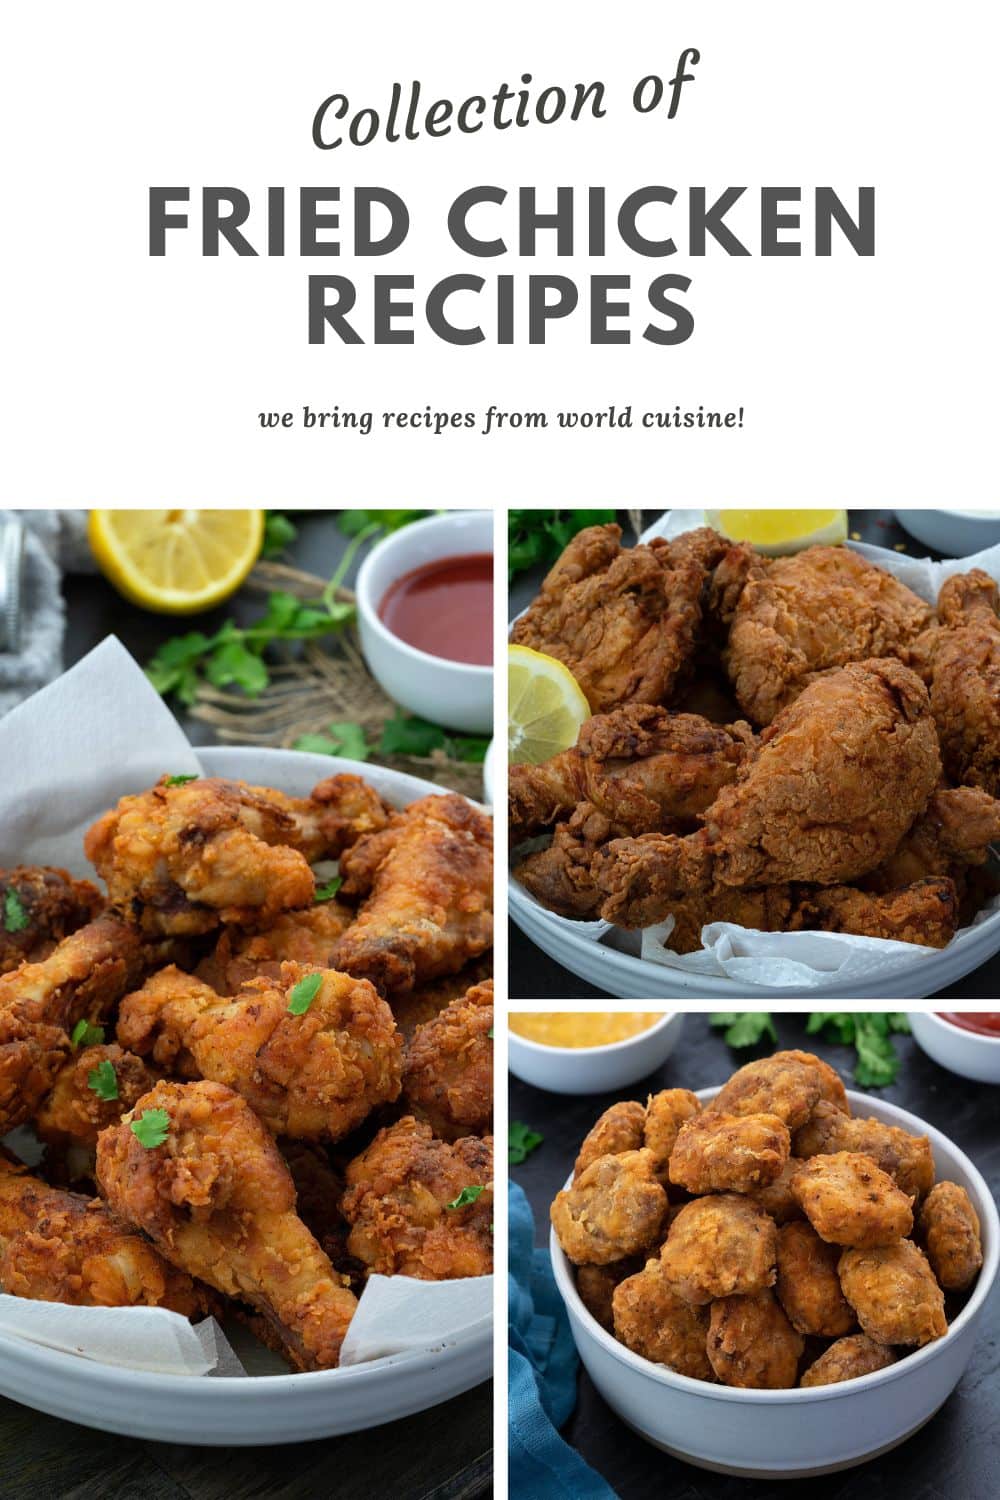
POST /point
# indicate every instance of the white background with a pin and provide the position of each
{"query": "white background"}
(131, 380)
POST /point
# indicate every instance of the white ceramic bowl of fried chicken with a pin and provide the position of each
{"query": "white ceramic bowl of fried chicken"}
(267, 1408)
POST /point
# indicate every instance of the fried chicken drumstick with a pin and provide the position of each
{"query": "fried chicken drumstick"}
(218, 1201)
(39, 906)
(965, 679)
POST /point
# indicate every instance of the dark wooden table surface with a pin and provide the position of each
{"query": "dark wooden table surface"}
(535, 976)
(956, 1455)
(441, 1454)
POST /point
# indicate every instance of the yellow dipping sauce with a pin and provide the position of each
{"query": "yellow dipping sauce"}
(581, 1028)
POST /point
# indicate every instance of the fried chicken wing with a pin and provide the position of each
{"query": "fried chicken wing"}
(808, 1287)
(906, 1158)
(651, 1320)
(308, 936)
(39, 906)
(308, 1073)
(428, 883)
(752, 1344)
(893, 1291)
(848, 1200)
(625, 621)
(926, 912)
(421, 1207)
(965, 680)
(93, 1089)
(448, 1077)
(218, 1202)
(615, 1208)
(719, 1246)
(561, 876)
(847, 1359)
(64, 1247)
(949, 1228)
(716, 1152)
(798, 616)
(639, 765)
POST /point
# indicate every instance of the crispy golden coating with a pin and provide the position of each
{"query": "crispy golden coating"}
(949, 1229)
(319, 1187)
(615, 1208)
(926, 912)
(808, 1287)
(893, 1291)
(801, 615)
(831, 1085)
(64, 1247)
(651, 1320)
(906, 1158)
(752, 1344)
(954, 831)
(39, 906)
(640, 765)
(560, 876)
(448, 1077)
(308, 936)
(719, 1246)
(596, 1286)
(628, 1126)
(847, 1359)
(719, 1153)
(429, 1000)
(218, 1202)
(965, 681)
(625, 621)
(776, 1198)
(848, 1200)
(666, 1113)
(427, 880)
(402, 1203)
(620, 1128)
(308, 1075)
(75, 1112)
(784, 1084)
(40, 1003)
(339, 811)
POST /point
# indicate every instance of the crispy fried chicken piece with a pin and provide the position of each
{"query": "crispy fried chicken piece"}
(404, 1202)
(808, 1287)
(965, 679)
(308, 1074)
(561, 876)
(615, 1208)
(39, 906)
(620, 1128)
(786, 1084)
(650, 1319)
(798, 616)
(40, 1003)
(836, 782)
(847, 1359)
(926, 912)
(596, 1286)
(629, 1126)
(429, 1000)
(954, 831)
(319, 1187)
(776, 1198)
(949, 1229)
(76, 1110)
(218, 1202)
(848, 1200)
(752, 1344)
(308, 936)
(906, 1158)
(893, 1291)
(719, 1246)
(427, 880)
(722, 1153)
(639, 765)
(448, 1076)
(625, 621)
(64, 1247)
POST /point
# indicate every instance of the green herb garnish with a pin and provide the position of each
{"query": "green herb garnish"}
(103, 1080)
(152, 1128)
(86, 1034)
(466, 1196)
(329, 890)
(347, 740)
(870, 1033)
(538, 536)
(302, 995)
(521, 1141)
(406, 734)
(744, 1028)
(352, 522)
(178, 780)
(279, 533)
(15, 918)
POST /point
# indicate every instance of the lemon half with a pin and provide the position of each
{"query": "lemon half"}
(774, 532)
(176, 562)
(546, 706)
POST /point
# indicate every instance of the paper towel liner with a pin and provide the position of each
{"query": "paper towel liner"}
(791, 960)
(68, 753)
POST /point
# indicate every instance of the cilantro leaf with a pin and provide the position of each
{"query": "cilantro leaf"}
(466, 1196)
(103, 1080)
(178, 780)
(744, 1028)
(407, 734)
(329, 890)
(15, 918)
(467, 747)
(85, 1033)
(521, 1141)
(347, 740)
(302, 995)
(538, 536)
(151, 1128)
(231, 663)
(870, 1033)
(279, 533)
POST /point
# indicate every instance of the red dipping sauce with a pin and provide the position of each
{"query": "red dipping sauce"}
(445, 608)
(983, 1023)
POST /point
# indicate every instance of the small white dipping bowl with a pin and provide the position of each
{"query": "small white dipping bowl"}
(594, 1070)
(955, 533)
(970, 1054)
(452, 693)
(795, 1433)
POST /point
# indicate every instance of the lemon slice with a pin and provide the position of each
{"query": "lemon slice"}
(774, 532)
(176, 562)
(546, 706)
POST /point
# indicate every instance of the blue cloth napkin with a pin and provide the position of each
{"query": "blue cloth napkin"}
(543, 1364)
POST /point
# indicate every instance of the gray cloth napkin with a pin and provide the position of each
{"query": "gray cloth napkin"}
(56, 540)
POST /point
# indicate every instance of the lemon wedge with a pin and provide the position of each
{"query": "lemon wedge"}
(176, 562)
(546, 706)
(775, 532)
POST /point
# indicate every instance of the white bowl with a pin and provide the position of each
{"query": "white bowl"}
(248, 1411)
(795, 1433)
(452, 693)
(967, 1053)
(594, 1070)
(955, 533)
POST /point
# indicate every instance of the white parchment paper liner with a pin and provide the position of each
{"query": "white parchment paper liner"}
(793, 960)
(67, 754)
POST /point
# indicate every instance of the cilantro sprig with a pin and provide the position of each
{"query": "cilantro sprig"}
(404, 734)
(347, 740)
(302, 995)
(868, 1032)
(521, 1141)
(466, 1196)
(744, 1028)
(103, 1080)
(86, 1034)
(151, 1128)
(329, 889)
(538, 536)
(15, 918)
